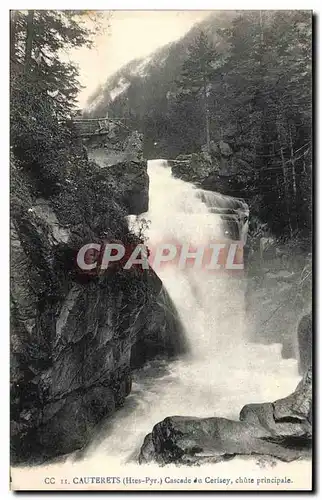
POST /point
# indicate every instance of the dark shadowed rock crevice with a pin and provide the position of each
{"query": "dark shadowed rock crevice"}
(282, 429)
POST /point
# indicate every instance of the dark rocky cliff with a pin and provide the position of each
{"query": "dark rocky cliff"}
(74, 336)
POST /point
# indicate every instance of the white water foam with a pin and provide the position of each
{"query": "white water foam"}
(222, 372)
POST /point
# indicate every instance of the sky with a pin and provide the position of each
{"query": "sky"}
(126, 35)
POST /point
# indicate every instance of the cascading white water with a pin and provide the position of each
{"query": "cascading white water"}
(222, 372)
(205, 302)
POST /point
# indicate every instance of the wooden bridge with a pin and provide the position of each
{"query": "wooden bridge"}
(89, 127)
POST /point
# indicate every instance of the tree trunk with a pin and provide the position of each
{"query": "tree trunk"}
(29, 40)
(294, 188)
(13, 35)
(287, 203)
(292, 160)
(261, 27)
(207, 118)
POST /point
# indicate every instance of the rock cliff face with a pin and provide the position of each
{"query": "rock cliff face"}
(221, 170)
(282, 429)
(74, 335)
(120, 156)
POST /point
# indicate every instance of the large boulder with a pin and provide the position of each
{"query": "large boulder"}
(134, 178)
(304, 337)
(192, 168)
(220, 169)
(123, 169)
(164, 333)
(282, 429)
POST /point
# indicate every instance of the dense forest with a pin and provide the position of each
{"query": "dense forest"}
(43, 92)
(244, 78)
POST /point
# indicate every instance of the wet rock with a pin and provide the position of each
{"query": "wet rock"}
(221, 169)
(225, 149)
(133, 146)
(45, 213)
(298, 405)
(72, 334)
(133, 180)
(192, 168)
(148, 453)
(75, 420)
(165, 332)
(281, 429)
(304, 337)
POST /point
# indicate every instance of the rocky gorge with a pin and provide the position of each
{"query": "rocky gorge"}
(75, 337)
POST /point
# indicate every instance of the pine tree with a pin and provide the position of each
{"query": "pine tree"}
(43, 87)
(38, 39)
(196, 75)
(267, 81)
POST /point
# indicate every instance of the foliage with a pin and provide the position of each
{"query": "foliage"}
(43, 91)
(268, 83)
(246, 76)
(38, 41)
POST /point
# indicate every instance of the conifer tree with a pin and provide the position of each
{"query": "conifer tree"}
(196, 75)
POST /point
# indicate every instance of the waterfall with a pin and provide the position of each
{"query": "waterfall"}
(205, 301)
(222, 371)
